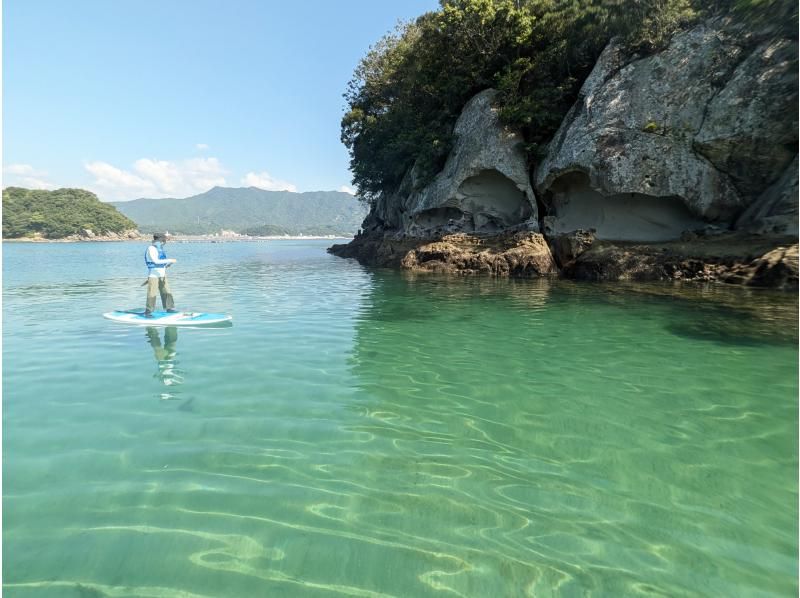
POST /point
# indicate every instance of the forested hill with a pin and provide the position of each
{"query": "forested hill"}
(58, 214)
(250, 211)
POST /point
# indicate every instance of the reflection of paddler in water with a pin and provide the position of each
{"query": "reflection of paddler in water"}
(165, 356)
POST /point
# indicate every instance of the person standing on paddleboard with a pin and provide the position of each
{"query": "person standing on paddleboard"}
(158, 262)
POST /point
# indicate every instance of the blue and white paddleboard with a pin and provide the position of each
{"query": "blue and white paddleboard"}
(163, 318)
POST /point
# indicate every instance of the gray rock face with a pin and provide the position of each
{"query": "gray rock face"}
(670, 142)
(750, 128)
(776, 211)
(483, 187)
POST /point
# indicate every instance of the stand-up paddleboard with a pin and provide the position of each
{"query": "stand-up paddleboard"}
(163, 318)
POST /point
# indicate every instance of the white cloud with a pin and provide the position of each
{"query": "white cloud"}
(347, 189)
(205, 165)
(204, 173)
(165, 175)
(201, 146)
(112, 179)
(34, 183)
(156, 178)
(25, 175)
(21, 169)
(263, 180)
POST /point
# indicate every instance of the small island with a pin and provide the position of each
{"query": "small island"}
(63, 214)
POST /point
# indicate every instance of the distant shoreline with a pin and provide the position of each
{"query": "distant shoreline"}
(185, 239)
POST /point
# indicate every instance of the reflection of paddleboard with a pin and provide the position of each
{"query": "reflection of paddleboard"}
(163, 318)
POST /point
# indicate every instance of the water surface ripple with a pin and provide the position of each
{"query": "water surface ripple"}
(368, 433)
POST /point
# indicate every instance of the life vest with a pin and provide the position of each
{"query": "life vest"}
(150, 263)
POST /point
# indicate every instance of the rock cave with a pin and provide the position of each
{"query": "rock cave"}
(572, 204)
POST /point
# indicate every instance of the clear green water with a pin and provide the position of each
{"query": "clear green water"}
(364, 433)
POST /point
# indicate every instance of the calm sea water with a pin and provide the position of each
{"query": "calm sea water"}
(369, 433)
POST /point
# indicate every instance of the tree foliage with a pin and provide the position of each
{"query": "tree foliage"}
(409, 89)
(57, 214)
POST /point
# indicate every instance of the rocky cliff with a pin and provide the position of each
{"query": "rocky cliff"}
(484, 186)
(690, 136)
(694, 141)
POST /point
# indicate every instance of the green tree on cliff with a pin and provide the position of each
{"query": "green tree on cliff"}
(409, 89)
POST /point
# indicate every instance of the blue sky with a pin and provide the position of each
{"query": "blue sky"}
(167, 98)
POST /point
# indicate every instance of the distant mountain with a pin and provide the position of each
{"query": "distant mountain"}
(58, 214)
(249, 210)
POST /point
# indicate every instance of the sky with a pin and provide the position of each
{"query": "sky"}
(168, 98)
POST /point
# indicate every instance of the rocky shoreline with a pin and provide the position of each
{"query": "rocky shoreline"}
(733, 258)
(130, 235)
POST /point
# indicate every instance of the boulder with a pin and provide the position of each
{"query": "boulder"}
(522, 254)
(374, 248)
(567, 247)
(775, 269)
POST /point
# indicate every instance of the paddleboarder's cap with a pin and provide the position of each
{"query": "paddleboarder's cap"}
(159, 236)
